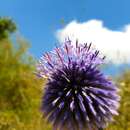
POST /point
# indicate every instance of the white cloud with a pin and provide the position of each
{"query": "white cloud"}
(114, 44)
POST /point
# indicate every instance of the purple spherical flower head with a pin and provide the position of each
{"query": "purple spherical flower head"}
(78, 96)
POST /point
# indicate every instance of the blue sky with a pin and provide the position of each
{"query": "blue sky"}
(38, 20)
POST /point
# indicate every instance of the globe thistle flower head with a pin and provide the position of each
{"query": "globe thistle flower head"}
(78, 96)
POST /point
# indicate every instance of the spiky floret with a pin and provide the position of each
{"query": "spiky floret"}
(77, 95)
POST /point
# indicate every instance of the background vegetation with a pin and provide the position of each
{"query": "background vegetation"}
(20, 90)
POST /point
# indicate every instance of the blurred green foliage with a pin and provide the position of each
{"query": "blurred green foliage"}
(21, 91)
(122, 122)
(7, 26)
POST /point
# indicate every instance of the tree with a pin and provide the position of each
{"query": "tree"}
(20, 89)
(122, 122)
(7, 26)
